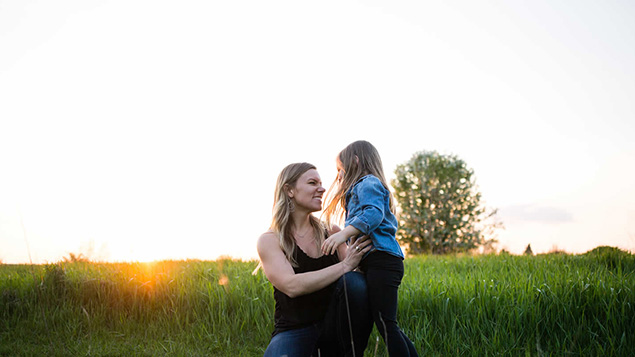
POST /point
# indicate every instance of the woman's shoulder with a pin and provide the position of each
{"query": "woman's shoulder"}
(332, 229)
(268, 233)
(268, 244)
(268, 236)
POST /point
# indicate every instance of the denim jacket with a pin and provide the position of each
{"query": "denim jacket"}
(368, 210)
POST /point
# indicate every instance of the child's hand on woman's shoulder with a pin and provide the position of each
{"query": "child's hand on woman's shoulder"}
(331, 243)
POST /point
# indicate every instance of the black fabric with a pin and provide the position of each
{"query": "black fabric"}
(343, 332)
(301, 311)
(384, 272)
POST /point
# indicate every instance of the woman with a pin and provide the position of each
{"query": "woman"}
(321, 304)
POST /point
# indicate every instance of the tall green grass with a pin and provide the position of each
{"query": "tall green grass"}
(165, 308)
(521, 305)
(554, 304)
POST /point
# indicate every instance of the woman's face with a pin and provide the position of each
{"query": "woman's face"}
(308, 191)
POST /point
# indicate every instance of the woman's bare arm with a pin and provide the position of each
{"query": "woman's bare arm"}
(280, 272)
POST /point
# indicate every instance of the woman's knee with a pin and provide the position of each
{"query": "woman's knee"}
(296, 342)
(355, 283)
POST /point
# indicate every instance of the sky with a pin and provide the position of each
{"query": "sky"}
(150, 130)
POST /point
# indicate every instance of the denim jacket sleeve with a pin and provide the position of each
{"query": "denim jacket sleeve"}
(366, 204)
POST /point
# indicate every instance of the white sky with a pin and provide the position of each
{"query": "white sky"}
(140, 130)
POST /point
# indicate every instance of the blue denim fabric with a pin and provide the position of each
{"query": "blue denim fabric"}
(342, 336)
(368, 210)
(301, 342)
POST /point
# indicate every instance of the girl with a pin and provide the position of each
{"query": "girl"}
(360, 191)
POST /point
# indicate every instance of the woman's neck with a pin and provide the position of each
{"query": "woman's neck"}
(301, 225)
(304, 236)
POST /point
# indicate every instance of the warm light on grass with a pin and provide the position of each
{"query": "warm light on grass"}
(555, 304)
(223, 280)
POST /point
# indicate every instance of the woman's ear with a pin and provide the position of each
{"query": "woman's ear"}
(288, 190)
(357, 159)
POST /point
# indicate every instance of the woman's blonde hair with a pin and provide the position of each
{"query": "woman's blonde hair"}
(358, 159)
(282, 221)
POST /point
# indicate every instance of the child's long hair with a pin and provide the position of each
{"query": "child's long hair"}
(358, 159)
(281, 223)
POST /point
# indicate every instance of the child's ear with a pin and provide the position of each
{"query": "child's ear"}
(357, 159)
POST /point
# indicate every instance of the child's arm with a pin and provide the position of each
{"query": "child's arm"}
(370, 205)
(331, 243)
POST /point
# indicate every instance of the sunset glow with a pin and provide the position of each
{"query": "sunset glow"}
(154, 130)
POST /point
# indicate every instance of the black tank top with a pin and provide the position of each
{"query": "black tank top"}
(302, 311)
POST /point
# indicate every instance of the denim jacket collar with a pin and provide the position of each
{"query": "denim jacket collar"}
(350, 190)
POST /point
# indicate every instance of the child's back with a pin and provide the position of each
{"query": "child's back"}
(368, 209)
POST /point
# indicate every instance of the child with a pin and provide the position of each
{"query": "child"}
(361, 191)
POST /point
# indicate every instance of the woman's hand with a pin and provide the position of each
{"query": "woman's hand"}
(356, 250)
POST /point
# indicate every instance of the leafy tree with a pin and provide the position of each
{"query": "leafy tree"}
(440, 207)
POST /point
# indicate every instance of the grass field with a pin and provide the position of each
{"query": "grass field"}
(555, 305)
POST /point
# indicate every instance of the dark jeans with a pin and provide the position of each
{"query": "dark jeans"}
(383, 277)
(336, 335)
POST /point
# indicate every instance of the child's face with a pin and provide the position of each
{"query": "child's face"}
(340, 170)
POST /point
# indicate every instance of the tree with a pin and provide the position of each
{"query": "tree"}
(440, 207)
